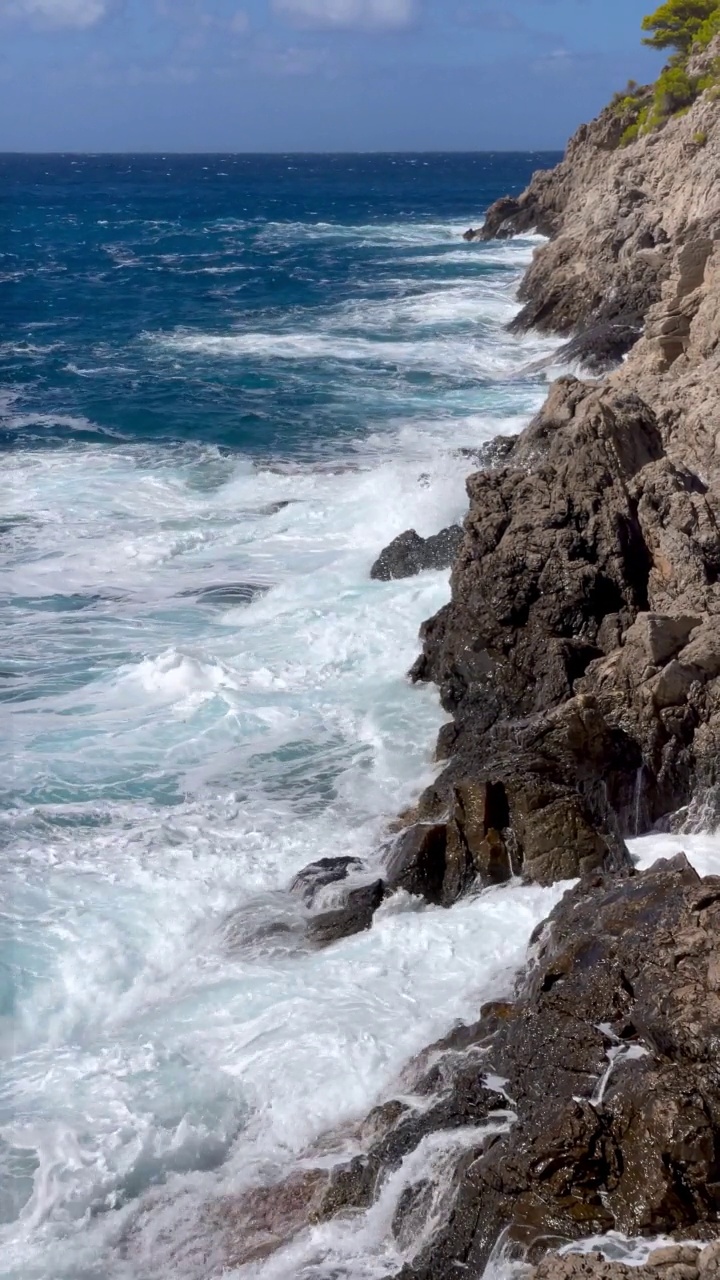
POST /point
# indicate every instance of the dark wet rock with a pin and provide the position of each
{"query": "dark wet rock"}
(256, 1223)
(552, 547)
(492, 454)
(588, 1103)
(533, 211)
(601, 346)
(354, 916)
(584, 691)
(272, 508)
(553, 568)
(417, 862)
(226, 594)
(409, 554)
(318, 875)
(608, 1057)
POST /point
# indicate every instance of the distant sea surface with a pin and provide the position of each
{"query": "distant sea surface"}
(225, 383)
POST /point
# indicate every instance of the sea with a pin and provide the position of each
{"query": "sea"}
(226, 382)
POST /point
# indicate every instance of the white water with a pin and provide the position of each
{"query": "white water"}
(178, 757)
(176, 763)
(149, 1045)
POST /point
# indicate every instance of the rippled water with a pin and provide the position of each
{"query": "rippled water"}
(228, 383)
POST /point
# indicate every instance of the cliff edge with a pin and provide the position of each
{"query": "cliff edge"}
(579, 662)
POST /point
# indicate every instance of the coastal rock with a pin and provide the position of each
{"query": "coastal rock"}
(409, 554)
(553, 569)
(552, 547)
(589, 1103)
(608, 1058)
(600, 347)
(259, 1222)
(318, 875)
(417, 862)
(672, 1262)
(354, 916)
(616, 215)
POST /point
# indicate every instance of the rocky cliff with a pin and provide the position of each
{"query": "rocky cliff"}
(580, 653)
(579, 661)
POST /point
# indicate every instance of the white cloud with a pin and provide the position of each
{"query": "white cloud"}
(56, 13)
(372, 14)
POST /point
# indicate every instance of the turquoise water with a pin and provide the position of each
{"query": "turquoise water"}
(227, 382)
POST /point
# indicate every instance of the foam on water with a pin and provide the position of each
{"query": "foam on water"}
(208, 692)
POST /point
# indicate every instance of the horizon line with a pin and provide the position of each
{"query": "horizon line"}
(373, 151)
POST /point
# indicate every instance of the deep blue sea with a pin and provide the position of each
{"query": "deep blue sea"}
(225, 383)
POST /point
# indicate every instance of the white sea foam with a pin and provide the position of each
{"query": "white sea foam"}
(147, 1051)
(474, 358)
(177, 758)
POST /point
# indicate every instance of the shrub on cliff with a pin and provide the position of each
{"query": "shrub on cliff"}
(679, 24)
(684, 26)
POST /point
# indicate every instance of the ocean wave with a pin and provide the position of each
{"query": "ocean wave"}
(364, 234)
(447, 356)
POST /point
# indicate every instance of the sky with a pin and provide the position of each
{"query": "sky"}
(311, 75)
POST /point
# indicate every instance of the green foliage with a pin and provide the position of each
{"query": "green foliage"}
(700, 138)
(686, 27)
(631, 134)
(673, 90)
(709, 29)
(677, 24)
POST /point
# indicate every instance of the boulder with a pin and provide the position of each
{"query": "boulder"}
(417, 862)
(409, 554)
(319, 875)
(354, 916)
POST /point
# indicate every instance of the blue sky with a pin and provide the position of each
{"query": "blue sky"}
(305, 75)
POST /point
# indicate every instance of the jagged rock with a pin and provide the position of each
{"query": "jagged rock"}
(552, 546)
(417, 862)
(608, 1060)
(553, 568)
(673, 1262)
(612, 237)
(354, 916)
(600, 347)
(409, 554)
(588, 1104)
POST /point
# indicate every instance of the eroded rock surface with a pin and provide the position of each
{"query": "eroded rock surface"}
(588, 1103)
(579, 653)
(672, 1262)
(409, 554)
(616, 215)
(608, 1061)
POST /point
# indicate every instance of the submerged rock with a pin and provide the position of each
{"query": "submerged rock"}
(318, 875)
(226, 594)
(409, 554)
(354, 916)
